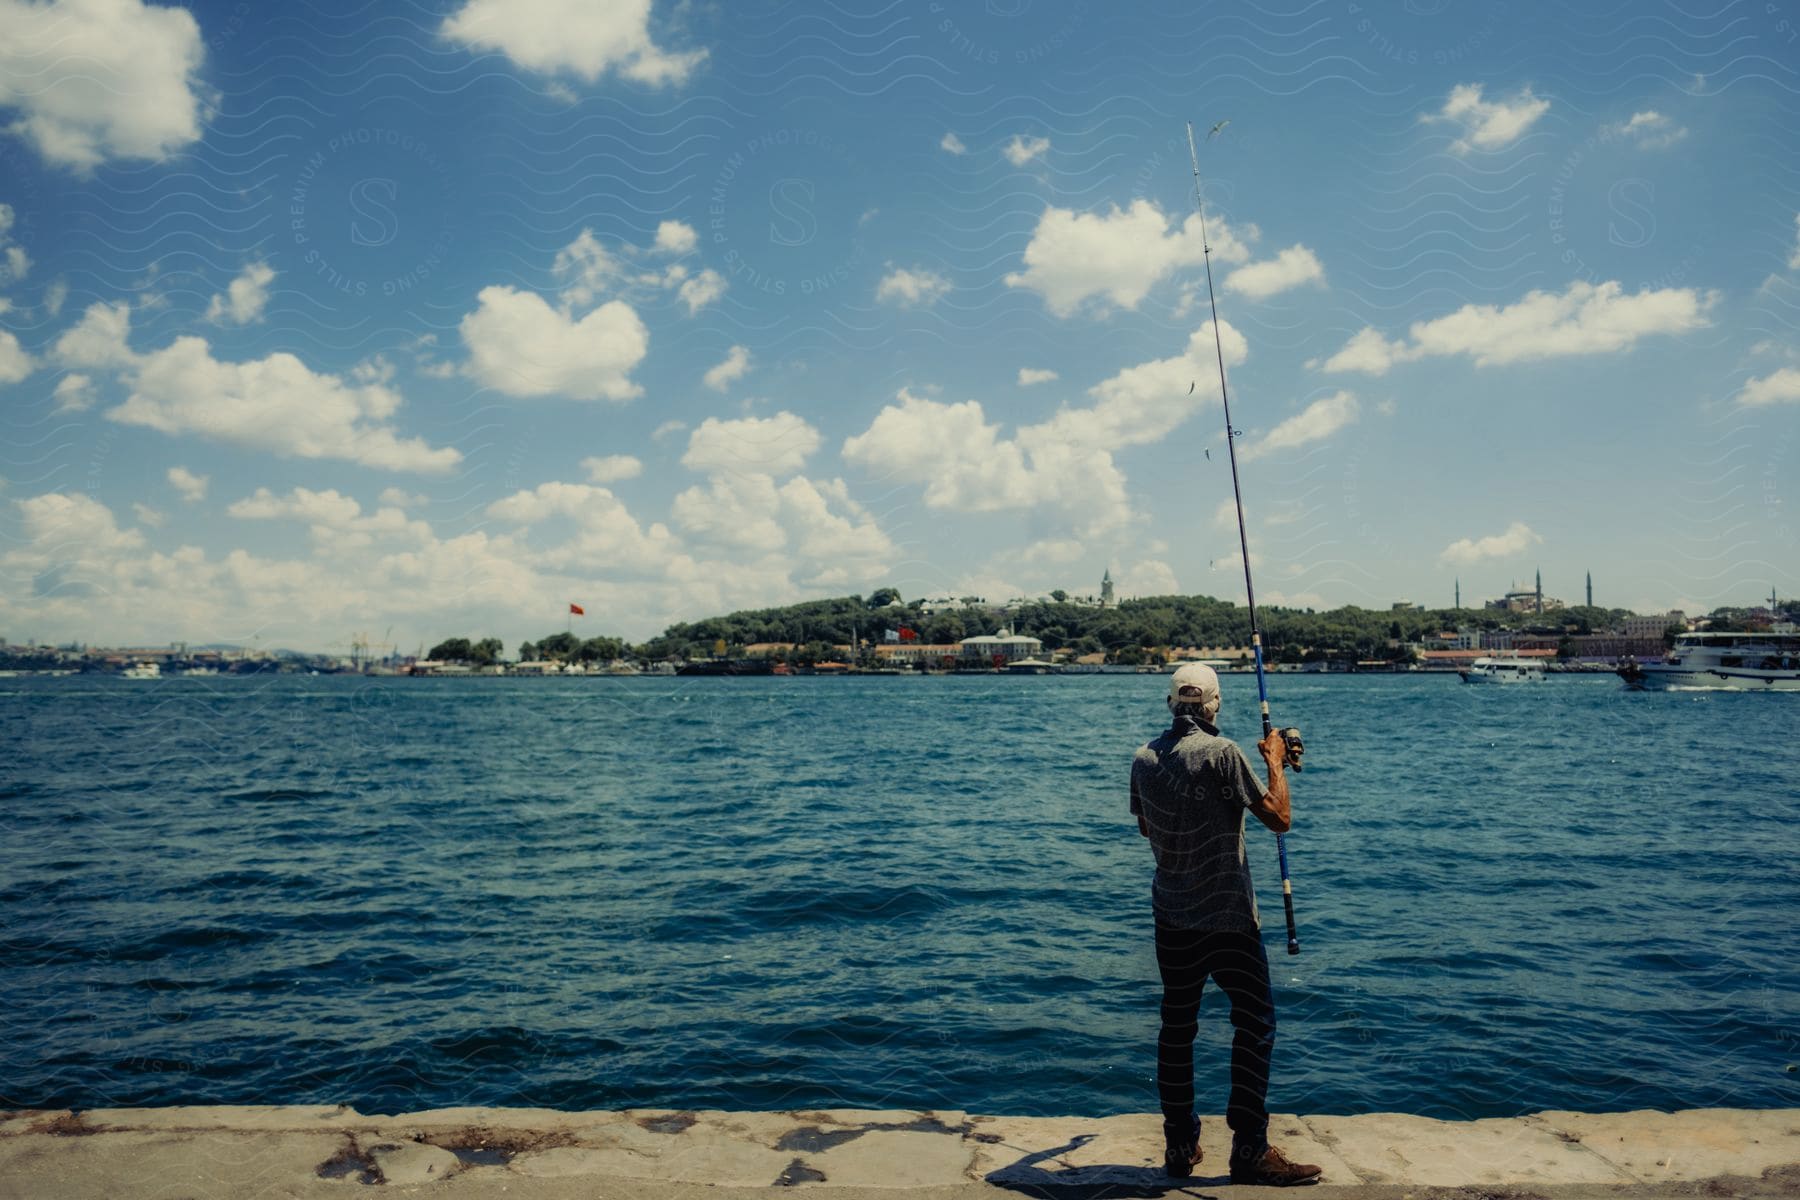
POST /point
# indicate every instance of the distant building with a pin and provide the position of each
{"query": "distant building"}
(1106, 589)
(1457, 639)
(907, 654)
(1004, 645)
(1652, 626)
(1531, 600)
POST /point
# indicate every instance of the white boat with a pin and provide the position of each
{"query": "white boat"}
(148, 670)
(1738, 662)
(1503, 670)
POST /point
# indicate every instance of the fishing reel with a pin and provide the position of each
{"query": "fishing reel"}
(1295, 747)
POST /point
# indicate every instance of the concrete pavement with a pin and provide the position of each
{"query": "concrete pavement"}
(540, 1154)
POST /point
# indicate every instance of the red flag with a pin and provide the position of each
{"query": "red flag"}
(577, 610)
(907, 635)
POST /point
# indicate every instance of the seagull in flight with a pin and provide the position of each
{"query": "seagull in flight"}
(1213, 132)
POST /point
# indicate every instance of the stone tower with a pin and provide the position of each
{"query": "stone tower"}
(1106, 589)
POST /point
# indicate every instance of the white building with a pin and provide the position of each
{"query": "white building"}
(1005, 646)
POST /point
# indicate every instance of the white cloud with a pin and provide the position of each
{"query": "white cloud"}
(14, 262)
(521, 346)
(589, 269)
(1290, 269)
(393, 497)
(71, 571)
(667, 429)
(777, 445)
(702, 290)
(1035, 375)
(337, 522)
(54, 295)
(1367, 351)
(675, 237)
(58, 525)
(732, 368)
(1151, 577)
(909, 287)
(191, 486)
(1225, 516)
(244, 298)
(1021, 149)
(1517, 538)
(1489, 124)
(953, 144)
(1794, 258)
(755, 514)
(148, 516)
(1650, 130)
(606, 532)
(1119, 255)
(275, 404)
(612, 468)
(1314, 423)
(1782, 387)
(1586, 318)
(1063, 464)
(98, 339)
(74, 393)
(15, 363)
(580, 37)
(100, 79)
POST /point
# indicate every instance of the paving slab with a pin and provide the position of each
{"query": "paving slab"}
(162, 1163)
(891, 1158)
(1396, 1148)
(1699, 1143)
(412, 1162)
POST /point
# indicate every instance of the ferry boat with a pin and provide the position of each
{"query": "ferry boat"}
(1503, 670)
(1739, 662)
(145, 670)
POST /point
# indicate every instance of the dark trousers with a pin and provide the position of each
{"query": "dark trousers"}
(1238, 964)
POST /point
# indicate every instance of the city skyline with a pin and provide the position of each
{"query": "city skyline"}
(316, 320)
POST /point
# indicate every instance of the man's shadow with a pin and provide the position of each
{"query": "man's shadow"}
(1103, 1181)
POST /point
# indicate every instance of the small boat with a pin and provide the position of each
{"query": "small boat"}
(1737, 662)
(1503, 670)
(147, 670)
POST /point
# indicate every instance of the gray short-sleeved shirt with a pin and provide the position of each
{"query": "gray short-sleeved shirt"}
(1192, 787)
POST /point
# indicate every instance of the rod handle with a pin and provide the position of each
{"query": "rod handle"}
(1287, 895)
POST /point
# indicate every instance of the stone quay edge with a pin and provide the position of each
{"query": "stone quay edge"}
(528, 1154)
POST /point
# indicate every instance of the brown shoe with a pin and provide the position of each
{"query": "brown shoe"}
(1272, 1169)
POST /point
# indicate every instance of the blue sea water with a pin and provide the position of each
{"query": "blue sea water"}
(878, 892)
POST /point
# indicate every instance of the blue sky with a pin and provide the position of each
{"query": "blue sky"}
(324, 318)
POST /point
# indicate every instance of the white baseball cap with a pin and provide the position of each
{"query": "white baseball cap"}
(1193, 683)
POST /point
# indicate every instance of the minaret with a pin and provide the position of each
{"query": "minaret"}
(1459, 593)
(1540, 590)
(1590, 577)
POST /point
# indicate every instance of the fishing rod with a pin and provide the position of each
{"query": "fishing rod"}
(1290, 736)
